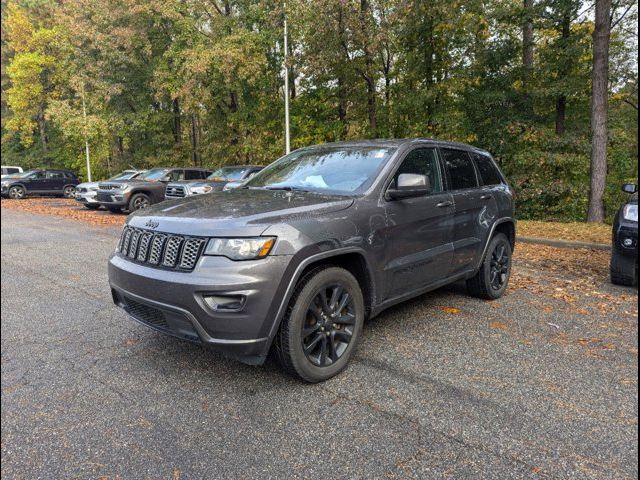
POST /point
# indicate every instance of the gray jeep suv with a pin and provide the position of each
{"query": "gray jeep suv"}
(317, 242)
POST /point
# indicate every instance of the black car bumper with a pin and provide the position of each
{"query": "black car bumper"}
(174, 302)
(625, 239)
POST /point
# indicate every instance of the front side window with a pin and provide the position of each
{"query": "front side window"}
(228, 173)
(488, 171)
(37, 175)
(339, 170)
(462, 173)
(422, 161)
(193, 174)
(154, 174)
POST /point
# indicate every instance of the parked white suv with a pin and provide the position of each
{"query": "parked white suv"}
(10, 170)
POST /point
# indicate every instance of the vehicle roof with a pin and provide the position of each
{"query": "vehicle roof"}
(241, 166)
(396, 143)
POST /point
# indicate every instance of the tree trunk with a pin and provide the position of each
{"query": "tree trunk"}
(527, 54)
(177, 124)
(369, 75)
(194, 134)
(561, 111)
(564, 68)
(599, 104)
(527, 35)
(42, 127)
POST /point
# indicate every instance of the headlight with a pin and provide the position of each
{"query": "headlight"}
(199, 190)
(630, 212)
(240, 248)
(123, 186)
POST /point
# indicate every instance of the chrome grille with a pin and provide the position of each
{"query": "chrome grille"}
(108, 186)
(161, 250)
(175, 191)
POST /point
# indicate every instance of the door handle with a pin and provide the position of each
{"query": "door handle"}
(444, 204)
(486, 197)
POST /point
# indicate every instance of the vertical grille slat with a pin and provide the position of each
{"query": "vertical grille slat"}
(177, 252)
(133, 246)
(172, 251)
(191, 252)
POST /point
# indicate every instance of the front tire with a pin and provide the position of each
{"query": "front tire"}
(492, 279)
(17, 192)
(138, 202)
(623, 269)
(322, 325)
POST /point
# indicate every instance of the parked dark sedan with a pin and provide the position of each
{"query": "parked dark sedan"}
(40, 182)
(624, 254)
(144, 190)
(215, 182)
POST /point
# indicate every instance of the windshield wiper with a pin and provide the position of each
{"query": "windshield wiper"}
(287, 188)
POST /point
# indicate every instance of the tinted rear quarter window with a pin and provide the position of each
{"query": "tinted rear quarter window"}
(462, 173)
(489, 173)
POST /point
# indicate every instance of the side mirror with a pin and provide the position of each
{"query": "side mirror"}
(409, 185)
(630, 188)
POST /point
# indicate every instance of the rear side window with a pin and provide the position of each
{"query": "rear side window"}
(55, 175)
(194, 175)
(489, 173)
(462, 173)
(422, 161)
(10, 170)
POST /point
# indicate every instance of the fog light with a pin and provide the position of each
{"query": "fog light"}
(628, 242)
(224, 303)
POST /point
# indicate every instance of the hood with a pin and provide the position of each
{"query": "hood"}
(131, 181)
(88, 185)
(235, 212)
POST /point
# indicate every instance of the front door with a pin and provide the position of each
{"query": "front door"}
(36, 182)
(418, 230)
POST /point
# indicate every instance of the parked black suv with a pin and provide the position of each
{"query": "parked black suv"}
(624, 254)
(315, 243)
(145, 189)
(213, 183)
(40, 182)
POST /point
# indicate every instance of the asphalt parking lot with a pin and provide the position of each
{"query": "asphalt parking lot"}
(540, 384)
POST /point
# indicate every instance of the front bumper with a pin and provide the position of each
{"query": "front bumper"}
(625, 239)
(173, 302)
(89, 197)
(113, 198)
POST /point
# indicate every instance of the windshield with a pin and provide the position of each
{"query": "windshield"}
(126, 175)
(154, 174)
(232, 173)
(342, 170)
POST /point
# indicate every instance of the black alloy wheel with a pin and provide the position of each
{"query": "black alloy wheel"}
(329, 324)
(500, 262)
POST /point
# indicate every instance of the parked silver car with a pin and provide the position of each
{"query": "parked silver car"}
(86, 193)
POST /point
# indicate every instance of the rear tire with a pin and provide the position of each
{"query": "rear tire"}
(492, 279)
(138, 202)
(69, 191)
(322, 325)
(624, 270)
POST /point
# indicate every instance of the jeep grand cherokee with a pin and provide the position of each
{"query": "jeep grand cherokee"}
(298, 257)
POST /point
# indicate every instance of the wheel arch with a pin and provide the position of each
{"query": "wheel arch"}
(505, 225)
(353, 260)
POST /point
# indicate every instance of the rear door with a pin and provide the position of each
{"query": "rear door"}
(468, 234)
(418, 230)
(55, 181)
(493, 186)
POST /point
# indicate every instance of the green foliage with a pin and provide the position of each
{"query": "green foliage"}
(201, 82)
